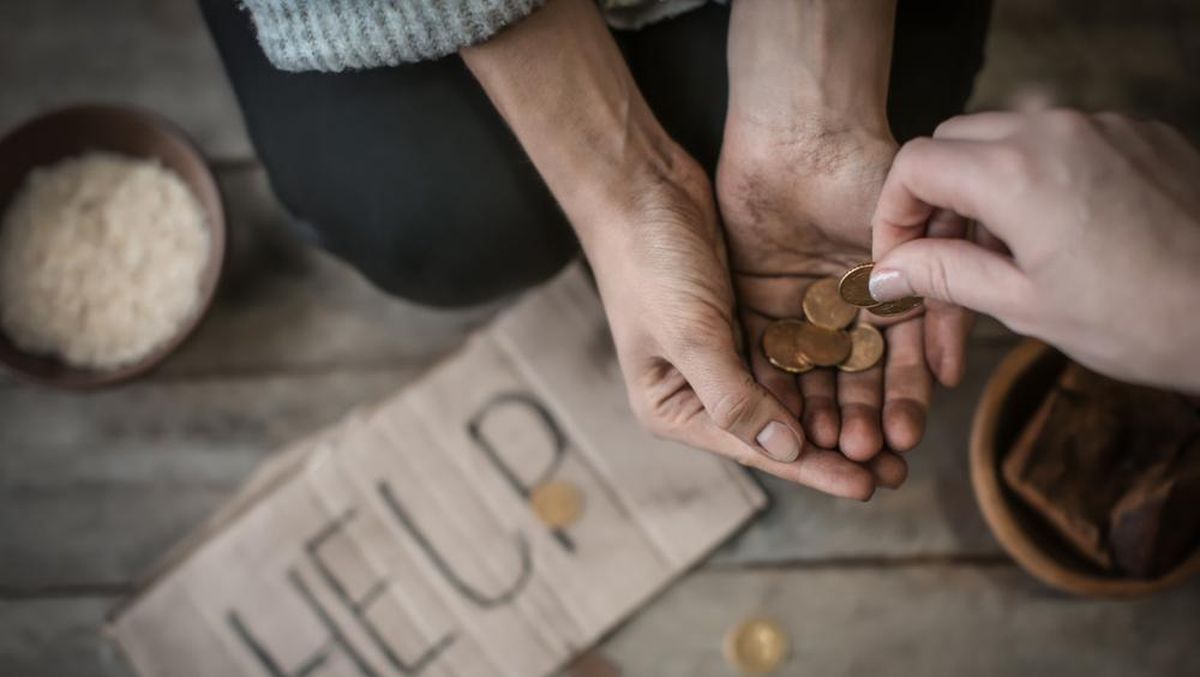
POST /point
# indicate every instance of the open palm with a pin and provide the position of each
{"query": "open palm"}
(792, 219)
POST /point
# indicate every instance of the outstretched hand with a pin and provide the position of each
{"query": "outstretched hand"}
(1099, 221)
(665, 283)
(794, 218)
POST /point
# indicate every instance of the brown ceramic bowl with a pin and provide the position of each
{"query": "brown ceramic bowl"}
(72, 131)
(1013, 394)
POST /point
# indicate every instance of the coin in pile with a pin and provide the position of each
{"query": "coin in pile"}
(824, 307)
(781, 345)
(866, 348)
(821, 338)
(823, 347)
(557, 504)
(756, 646)
(854, 288)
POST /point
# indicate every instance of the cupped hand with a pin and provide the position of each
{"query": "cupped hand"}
(664, 279)
(1101, 218)
(796, 208)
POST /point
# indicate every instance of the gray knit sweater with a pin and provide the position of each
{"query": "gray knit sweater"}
(335, 35)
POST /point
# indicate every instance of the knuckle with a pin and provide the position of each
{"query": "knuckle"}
(1069, 123)
(947, 125)
(733, 409)
(912, 150)
(1114, 118)
(646, 416)
(938, 280)
(1013, 163)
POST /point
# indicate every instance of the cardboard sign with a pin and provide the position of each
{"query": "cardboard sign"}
(401, 542)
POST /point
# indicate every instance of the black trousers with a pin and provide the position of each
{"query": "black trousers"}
(411, 176)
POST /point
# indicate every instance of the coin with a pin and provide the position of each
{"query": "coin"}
(823, 347)
(866, 348)
(824, 307)
(756, 646)
(854, 287)
(780, 345)
(896, 307)
(557, 504)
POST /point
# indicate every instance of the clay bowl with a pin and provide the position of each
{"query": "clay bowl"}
(1012, 395)
(72, 131)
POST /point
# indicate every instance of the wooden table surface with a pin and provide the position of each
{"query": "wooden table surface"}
(93, 488)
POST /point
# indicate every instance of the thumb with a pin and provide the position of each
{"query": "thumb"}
(954, 271)
(737, 403)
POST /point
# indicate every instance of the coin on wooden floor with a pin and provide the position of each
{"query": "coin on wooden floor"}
(824, 307)
(854, 287)
(557, 504)
(866, 348)
(896, 307)
(782, 348)
(823, 347)
(756, 646)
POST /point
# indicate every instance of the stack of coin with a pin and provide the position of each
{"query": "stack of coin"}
(824, 338)
(853, 288)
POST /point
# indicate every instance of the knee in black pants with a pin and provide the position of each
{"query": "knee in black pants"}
(434, 255)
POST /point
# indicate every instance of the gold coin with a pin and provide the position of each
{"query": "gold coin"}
(854, 287)
(780, 346)
(557, 504)
(896, 307)
(756, 646)
(866, 348)
(824, 307)
(823, 347)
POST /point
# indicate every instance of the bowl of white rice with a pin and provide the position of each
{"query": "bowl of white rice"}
(112, 237)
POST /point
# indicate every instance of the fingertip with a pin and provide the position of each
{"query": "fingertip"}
(821, 469)
(822, 424)
(903, 424)
(890, 471)
(858, 484)
(951, 368)
(861, 438)
(946, 362)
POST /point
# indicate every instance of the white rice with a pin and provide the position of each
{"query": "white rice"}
(101, 257)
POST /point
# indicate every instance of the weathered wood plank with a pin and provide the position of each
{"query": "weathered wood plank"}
(51, 637)
(934, 513)
(157, 55)
(927, 620)
(93, 488)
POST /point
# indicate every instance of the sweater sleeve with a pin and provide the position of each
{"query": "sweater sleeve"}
(335, 35)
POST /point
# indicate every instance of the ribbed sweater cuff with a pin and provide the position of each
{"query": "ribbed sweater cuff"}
(335, 35)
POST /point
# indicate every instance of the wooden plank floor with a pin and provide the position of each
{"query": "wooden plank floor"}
(93, 488)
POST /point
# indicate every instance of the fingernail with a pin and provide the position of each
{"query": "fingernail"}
(888, 285)
(779, 442)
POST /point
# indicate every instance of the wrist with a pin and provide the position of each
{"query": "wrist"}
(562, 85)
(816, 64)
